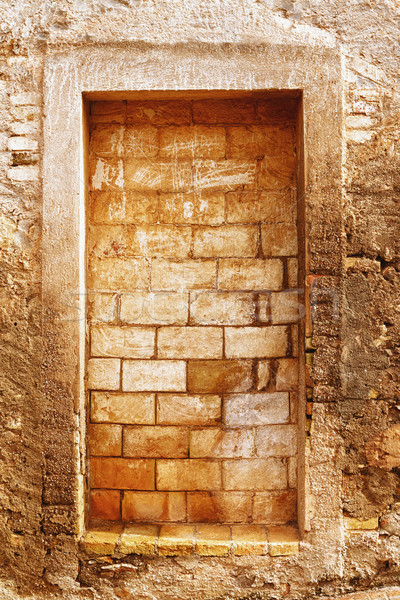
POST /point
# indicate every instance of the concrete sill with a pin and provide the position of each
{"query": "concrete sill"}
(183, 540)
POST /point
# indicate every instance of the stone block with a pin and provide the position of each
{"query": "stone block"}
(287, 374)
(155, 308)
(104, 373)
(201, 208)
(115, 273)
(176, 540)
(189, 342)
(249, 540)
(21, 143)
(257, 141)
(105, 504)
(105, 440)
(216, 112)
(277, 110)
(213, 540)
(122, 473)
(213, 442)
(101, 542)
(113, 207)
(154, 375)
(162, 240)
(141, 141)
(223, 308)
(152, 507)
(264, 374)
(220, 376)
(102, 307)
(256, 342)
(222, 175)
(188, 474)
(275, 508)
(156, 442)
(283, 541)
(250, 274)
(122, 342)
(183, 275)
(256, 409)
(106, 141)
(174, 409)
(195, 141)
(165, 112)
(293, 272)
(277, 172)
(107, 112)
(145, 175)
(106, 174)
(222, 507)
(139, 539)
(276, 440)
(224, 241)
(292, 472)
(253, 207)
(280, 307)
(279, 239)
(123, 408)
(254, 474)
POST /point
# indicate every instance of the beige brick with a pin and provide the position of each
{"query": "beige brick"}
(275, 508)
(123, 408)
(292, 472)
(163, 240)
(250, 274)
(287, 374)
(106, 174)
(293, 272)
(103, 373)
(219, 376)
(174, 409)
(156, 442)
(276, 440)
(264, 374)
(256, 409)
(102, 307)
(213, 540)
(283, 541)
(101, 542)
(228, 240)
(277, 172)
(165, 112)
(188, 474)
(183, 275)
(250, 474)
(176, 540)
(257, 141)
(223, 308)
(18, 143)
(249, 540)
(192, 142)
(115, 273)
(111, 240)
(222, 507)
(155, 308)
(154, 375)
(206, 208)
(223, 175)
(280, 307)
(361, 524)
(139, 539)
(105, 440)
(190, 342)
(106, 141)
(214, 442)
(146, 175)
(124, 207)
(154, 506)
(224, 111)
(141, 141)
(295, 340)
(252, 207)
(122, 473)
(105, 504)
(279, 240)
(107, 112)
(23, 173)
(122, 342)
(257, 342)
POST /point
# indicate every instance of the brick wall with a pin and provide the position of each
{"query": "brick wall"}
(192, 277)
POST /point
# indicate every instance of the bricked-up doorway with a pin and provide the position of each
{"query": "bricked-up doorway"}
(193, 310)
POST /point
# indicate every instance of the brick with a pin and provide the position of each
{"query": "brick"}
(228, 240)
(253, 207)
(205, 208)
(214, 442)
(192, 142)
(256, 409)
(122, 473)
(141, 142)
(21, 143)
(223, 507)
(220, 376)
(102, 307)
(280, 307)
(105, 504)
(103, 373)
(115, 273)
(256, 141)
(124, 207)
(163, 240)
(107, 112)
(23, 173)
(250, 274)
(224, 111)
(144, 175)
(106, 174)
(287, 374)
(275, 508)
(250, 474)
(276, 440)
(223, 175)
(223, 308)
(174, 409)
(257, 342)
(102, 542)
(176, 540)
(264, 374)
(154, 506)
(183, 275)
(111, 240)
(293, 272)
(213, 540)
(277, 172)
(167, 112)
(122, 342)
(361, 524)
(279, 240)
(283, 541)
(249, 540)
(190, 342)
(139, 539)
(188, 474)
(105, 440)
(156, 442)
(123, 408)
(154, 375)
(277, 110)
(155, 308)
(292, 472)
(106, 141)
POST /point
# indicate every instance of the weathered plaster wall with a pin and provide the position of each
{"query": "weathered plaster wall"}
(38, 557)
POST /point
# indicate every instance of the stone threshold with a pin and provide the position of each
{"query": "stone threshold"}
(184, 540)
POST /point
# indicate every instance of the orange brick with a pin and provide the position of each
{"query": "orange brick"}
(229, 240)
(105, 504)
(223, 308)
(287, 375)
(102, 307)
(224, 111)
(155, 308)
(219, 507)
(104, 373)
(123, 408)
(192, 142)
(252, 207)
(141, 142)
(118, 273)
(106, 140)
(105, 440)
(277, 110)
(146, 175)
(176, 540)
(214, 442)
(256, 409)
(122, 473)
(106, 174)
(122, 342)
(277, 172)
(250, 274)
(257, 141)
(219, 376)
(223, 175)
(154, 375)
(151, 507)
(165, 112)
(107, 112)
(250, 474)
(156, 442)
(213, 540)
(283, 541)
(255, 342)
(124, 207)
(190, 342)
(276, 440)
(183, 275)
(275, 508)
(205, 208)
(249, 540)
(174, 409)
(279, 240)
(188, 474)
